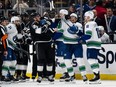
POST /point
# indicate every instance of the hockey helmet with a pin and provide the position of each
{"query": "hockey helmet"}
(35, 14)
(25, 14)
(63, 11)
(14, 13)
(14, 18)
(3, 18)
(90, 14)
(101, 28)
(74, 15)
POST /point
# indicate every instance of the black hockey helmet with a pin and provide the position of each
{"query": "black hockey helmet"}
(15, 13)
(25, 14)
(3, 18)
(35, 14)
(52, 13)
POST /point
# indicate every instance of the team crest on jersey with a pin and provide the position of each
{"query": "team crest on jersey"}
(87, 26)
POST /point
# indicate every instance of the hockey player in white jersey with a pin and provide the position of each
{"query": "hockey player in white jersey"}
(104, 36)
(93, 43)
(73, 31)
(9, 60)
(59, 42)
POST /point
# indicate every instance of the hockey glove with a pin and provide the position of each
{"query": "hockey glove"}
(73, 30)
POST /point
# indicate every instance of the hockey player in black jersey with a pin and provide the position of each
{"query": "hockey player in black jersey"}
(22, 58)
(42, 38)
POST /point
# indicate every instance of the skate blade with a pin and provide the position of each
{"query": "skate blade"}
(6, 82)
(62, 80)
(95, 82)
(45, 83)
(70, 82)
(86, 82)
(51, 82)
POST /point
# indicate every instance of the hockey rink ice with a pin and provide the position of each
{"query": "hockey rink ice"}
(76, 83)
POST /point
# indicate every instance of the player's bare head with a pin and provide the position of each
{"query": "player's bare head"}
(4, 21)
(95, 12)
(89, 15)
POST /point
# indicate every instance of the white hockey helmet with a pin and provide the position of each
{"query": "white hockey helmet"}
(101, 28)
(63, 11)
(74, 15)
(14, 18)
(90, 14)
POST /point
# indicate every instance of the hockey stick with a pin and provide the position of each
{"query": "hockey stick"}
(106, 22)
(19, 49)
(51, 5)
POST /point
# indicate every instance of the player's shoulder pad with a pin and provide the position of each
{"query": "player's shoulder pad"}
(78, 24)
(91, 24)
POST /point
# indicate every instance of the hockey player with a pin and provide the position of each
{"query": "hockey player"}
(9, 60)
(59, 43)
(54, 23)
(3, 41)
(71, 34)
(42, 37)
(93, 43)
(104, 36)
(22, 58)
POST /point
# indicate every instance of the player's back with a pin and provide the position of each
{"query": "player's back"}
(92, 29)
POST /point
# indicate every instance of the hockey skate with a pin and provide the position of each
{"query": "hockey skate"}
(14, 80)
(39, 79)
(70, 78)
(85, 80)
(64, 76)
(33, 78)
(24, 78)
(51, 78)
(7, 80)
(96, 79)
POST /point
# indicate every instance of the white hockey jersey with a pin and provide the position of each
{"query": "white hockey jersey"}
(61, 29)
(92, 29)
(12, 32)
(69, 38)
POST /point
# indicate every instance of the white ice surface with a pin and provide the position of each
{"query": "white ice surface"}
(77, 83)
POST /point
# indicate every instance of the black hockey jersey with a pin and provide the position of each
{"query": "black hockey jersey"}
(44, 36)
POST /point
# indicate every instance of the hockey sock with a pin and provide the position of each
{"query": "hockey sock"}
(82, 67)
(94, 65)
(18, 73)
(62, 64)
(12, 70)
(49, 70)
(12, 67)
(40, 70)
(68, 63)
(5, 68)
(24, 73)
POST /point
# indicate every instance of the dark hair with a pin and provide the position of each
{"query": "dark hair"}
(99, 3)
(3, 18)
